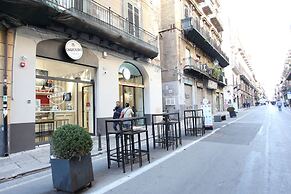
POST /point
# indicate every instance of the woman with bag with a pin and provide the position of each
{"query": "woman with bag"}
(126, 113)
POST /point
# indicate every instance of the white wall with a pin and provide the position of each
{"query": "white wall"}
(23, 88)
(107, 87)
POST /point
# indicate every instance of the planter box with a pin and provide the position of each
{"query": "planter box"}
(72, 175)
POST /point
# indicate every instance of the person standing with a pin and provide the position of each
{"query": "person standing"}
(127, 113)
(116, 115)
(279, 104)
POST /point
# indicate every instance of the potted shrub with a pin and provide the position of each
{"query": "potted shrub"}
(231, 111)
(71, 158)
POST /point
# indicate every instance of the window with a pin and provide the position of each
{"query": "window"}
(133, 19)
(186, 11)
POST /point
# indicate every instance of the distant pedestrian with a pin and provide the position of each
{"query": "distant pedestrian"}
(127, 113)
(279, 104)
(116, 114)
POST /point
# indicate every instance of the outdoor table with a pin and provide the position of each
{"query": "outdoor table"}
(125, 149)
(194, 122)
(166, 130)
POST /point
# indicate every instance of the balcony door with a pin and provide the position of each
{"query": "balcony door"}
(133, 19)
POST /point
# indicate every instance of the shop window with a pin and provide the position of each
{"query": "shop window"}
(131, 88)
(64, 95)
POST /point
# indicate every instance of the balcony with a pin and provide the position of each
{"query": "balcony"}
(199, 1)
(202, 70)
(83, 16)
(201, 38)
(215, 20)
(207, 7)
(288, 75)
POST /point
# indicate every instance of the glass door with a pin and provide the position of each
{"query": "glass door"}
(133, 96)
(87, 118)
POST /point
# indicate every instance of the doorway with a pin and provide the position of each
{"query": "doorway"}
(131, 88)
(133, 96)
(188, 97)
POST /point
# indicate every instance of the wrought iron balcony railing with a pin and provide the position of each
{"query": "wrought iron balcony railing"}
(191, 23)
(190, 63)
(104, 15)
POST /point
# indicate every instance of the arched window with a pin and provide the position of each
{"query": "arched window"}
(131, 87)
(130, 74)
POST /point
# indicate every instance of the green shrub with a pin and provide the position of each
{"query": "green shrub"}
(71, 141)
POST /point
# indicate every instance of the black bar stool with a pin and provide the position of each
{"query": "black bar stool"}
(125, 150)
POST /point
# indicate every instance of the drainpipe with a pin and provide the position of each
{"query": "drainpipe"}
(4, 128)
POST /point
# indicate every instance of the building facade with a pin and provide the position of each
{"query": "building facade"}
(72, 62)
(285, 84)
(242, 89)
(191, 57)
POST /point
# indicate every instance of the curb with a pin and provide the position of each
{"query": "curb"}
(27, 173)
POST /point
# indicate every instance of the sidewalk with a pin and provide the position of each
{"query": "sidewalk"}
(32, 161)
(35, 160)
(38, 159)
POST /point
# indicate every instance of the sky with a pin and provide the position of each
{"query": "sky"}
(264, 30)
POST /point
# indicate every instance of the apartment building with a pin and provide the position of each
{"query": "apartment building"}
(69, 61)
(286, 80)
(242, 89)
(191, 57)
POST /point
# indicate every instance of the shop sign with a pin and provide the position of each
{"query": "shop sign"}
(74, 49)
(126, 73)
(56, 95)
(212, 85)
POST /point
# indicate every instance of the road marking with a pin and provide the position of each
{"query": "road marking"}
(153, 164)
(223, 126)
(25, 182)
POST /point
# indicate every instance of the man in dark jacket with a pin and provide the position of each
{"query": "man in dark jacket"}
(116, 115)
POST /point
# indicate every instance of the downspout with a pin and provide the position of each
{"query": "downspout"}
(4, 128)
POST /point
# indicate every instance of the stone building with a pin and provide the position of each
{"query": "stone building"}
(191, 57)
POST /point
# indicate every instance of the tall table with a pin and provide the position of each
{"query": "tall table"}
(125, 140)
(166, 129)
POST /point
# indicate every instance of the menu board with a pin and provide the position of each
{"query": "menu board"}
(207, 111)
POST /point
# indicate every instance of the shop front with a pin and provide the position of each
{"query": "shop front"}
(64, 95)
(131, 88)
(54, 83)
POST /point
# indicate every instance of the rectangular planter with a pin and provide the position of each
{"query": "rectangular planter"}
(72, 175)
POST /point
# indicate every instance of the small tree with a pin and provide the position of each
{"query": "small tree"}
(70, 141)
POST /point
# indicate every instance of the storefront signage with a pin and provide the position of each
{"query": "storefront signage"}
(212, 85)
(126, 73)
(74, 49)
(56, 95)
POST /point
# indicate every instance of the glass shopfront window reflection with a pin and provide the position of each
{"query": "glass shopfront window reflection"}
(131, 88)
(66, 99)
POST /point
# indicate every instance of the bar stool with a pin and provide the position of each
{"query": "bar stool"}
(131, 152)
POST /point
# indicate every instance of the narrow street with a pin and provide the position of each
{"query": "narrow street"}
(249, 154)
